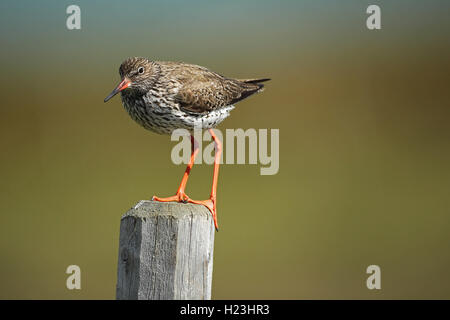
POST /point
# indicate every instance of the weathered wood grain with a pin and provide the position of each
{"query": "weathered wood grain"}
(165, 252)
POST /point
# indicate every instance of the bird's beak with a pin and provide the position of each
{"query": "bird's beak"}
(125, 83)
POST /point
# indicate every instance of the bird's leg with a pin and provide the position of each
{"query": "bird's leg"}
(181, 196)
(211, 202)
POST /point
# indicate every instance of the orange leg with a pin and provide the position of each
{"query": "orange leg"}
(211, 202)
(181, 195)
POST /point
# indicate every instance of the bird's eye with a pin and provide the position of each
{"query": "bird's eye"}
(141, 70)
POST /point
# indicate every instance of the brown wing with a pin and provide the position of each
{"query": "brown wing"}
(203, 91)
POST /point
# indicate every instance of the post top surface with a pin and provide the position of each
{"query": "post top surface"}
(149, 208)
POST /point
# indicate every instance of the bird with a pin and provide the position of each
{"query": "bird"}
(163, 96)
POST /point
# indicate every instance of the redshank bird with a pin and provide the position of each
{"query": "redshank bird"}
(165, 96)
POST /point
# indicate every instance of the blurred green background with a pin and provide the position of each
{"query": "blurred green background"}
(364, 145)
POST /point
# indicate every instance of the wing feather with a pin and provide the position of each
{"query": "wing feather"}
(203, 91)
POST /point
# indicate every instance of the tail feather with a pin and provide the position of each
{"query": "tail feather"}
(255, 82)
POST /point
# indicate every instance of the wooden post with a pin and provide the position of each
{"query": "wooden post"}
(165, 252)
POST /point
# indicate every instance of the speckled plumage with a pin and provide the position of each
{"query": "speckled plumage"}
(164, 96)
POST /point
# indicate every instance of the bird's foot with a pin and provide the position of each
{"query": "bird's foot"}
(211, 205)
(179, 197)
(182, 197)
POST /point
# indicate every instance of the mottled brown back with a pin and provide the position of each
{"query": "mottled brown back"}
(203, 90)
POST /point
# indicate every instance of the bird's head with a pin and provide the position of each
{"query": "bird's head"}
(137, 74)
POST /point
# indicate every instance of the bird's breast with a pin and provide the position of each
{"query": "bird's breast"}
(162, 114)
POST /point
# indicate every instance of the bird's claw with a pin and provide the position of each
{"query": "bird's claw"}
(182, 197)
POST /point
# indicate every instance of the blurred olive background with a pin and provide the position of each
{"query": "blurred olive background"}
(364, 145)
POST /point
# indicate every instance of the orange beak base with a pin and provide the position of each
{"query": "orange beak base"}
(125, 83)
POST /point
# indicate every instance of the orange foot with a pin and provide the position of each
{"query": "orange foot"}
(182, 197)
